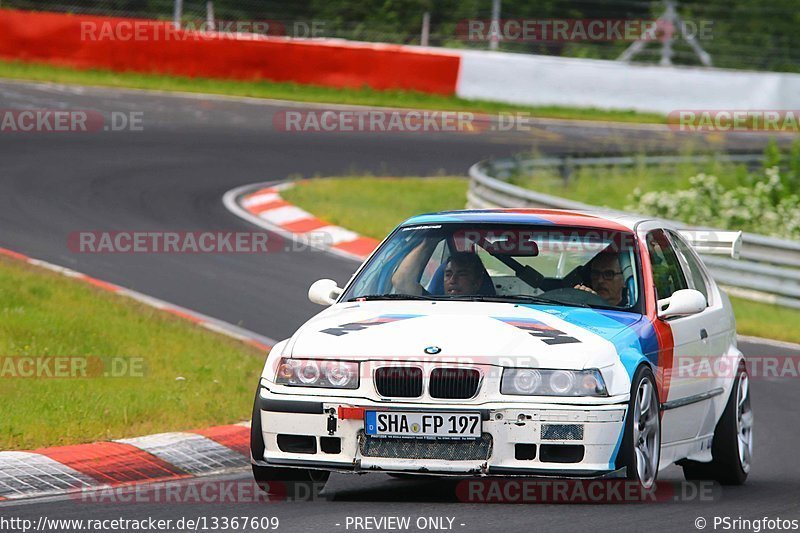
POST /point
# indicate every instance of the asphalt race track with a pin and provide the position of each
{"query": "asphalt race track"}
(171, 176)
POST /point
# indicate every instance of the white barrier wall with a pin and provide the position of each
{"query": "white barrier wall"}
(542, 80)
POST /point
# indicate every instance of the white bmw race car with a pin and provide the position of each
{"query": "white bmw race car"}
(516, 343)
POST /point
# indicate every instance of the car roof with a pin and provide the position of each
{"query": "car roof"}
(609, 220)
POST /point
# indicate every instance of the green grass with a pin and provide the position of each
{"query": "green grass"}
(374, 206)
(45, 314)
(612, 186)
(766, 320)
(304, 93)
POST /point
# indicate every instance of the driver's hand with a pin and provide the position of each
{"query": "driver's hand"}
(584, 288)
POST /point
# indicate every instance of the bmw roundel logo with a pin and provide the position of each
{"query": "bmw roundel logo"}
(432, 350)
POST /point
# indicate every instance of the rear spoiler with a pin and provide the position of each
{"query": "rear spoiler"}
(715, 242)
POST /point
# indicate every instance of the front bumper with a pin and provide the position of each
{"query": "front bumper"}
(518, 438)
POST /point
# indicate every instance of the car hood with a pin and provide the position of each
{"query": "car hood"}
(477, 332)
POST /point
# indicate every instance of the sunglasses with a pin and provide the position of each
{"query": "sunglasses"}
(607, 275)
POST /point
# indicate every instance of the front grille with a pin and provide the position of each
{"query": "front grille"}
(454, 383)
(399, 382)
(445, 450)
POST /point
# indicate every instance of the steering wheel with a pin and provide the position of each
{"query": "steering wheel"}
(571, 295)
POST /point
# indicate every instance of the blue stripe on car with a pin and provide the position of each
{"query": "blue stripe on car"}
(633, 336)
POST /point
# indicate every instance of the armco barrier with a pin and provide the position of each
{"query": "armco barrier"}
(768, 270)
(67, 40)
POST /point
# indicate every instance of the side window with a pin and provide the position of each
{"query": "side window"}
(667, 272)
(695, 270)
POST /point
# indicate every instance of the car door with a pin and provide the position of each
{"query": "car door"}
(684, 422)
(717, 331)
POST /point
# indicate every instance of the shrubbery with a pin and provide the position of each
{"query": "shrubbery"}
(767, 203)
(760, 209)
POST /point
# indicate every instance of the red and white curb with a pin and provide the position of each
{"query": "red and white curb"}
(65, 469)
(262, 205)
(84, 467)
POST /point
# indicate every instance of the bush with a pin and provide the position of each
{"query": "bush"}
(768, 206)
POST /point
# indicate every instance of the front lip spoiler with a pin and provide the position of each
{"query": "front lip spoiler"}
(549, 474)
(493, 471)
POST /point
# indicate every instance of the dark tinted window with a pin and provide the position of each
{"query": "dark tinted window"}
(695, 271)
(667, 272)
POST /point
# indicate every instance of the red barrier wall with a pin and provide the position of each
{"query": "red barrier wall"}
(137, 45)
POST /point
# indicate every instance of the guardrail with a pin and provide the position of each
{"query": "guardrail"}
(768, 270)
(501, 168)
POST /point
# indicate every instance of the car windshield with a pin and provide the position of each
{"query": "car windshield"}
(516, 263)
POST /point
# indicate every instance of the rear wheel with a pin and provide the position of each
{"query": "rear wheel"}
(732, 448)
(640, 451)
(264, 475)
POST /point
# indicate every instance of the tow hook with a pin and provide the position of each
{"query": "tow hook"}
(331, 421)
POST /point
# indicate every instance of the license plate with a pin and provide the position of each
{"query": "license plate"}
(422, 424)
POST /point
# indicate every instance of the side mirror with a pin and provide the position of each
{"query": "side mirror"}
(324, 292)
(681, 303)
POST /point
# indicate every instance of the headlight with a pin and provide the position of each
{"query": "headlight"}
(541, 382)
(316, 373)
(527, 381)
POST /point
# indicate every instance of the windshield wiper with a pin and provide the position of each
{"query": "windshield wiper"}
(369, 297)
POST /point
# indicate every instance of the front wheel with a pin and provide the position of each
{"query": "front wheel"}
(732, 448)
(640, 451)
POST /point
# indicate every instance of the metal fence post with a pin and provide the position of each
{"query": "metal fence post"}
(426, 29)
(177, 14)
(210, 22)
(567, 167)
(494, 37)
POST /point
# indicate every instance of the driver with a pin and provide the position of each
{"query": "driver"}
(607, 280)
(463, 272)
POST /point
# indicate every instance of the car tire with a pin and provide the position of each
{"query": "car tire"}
(732, 447)
(264, 475)
(640, 451)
